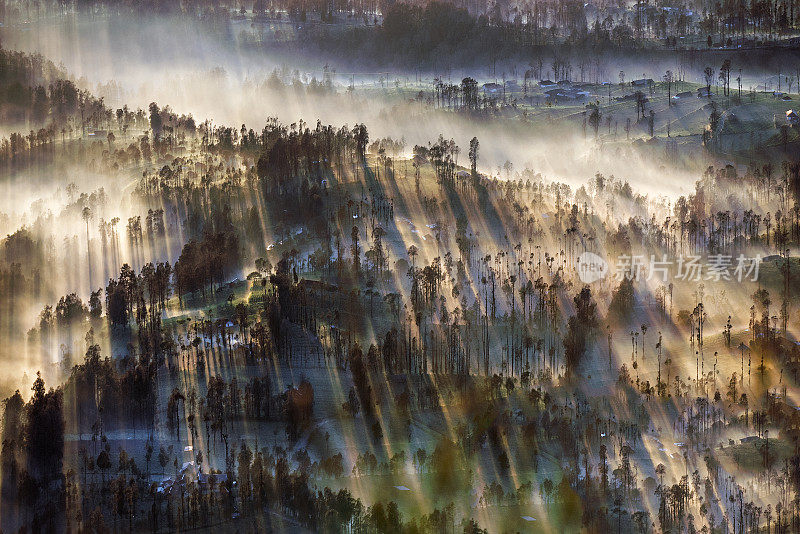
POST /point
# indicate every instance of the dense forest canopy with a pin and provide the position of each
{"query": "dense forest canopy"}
(562, 295)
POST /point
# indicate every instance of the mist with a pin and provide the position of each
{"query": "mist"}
(177, 63)
(409, 298)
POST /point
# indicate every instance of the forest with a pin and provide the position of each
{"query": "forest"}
(399, 267)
